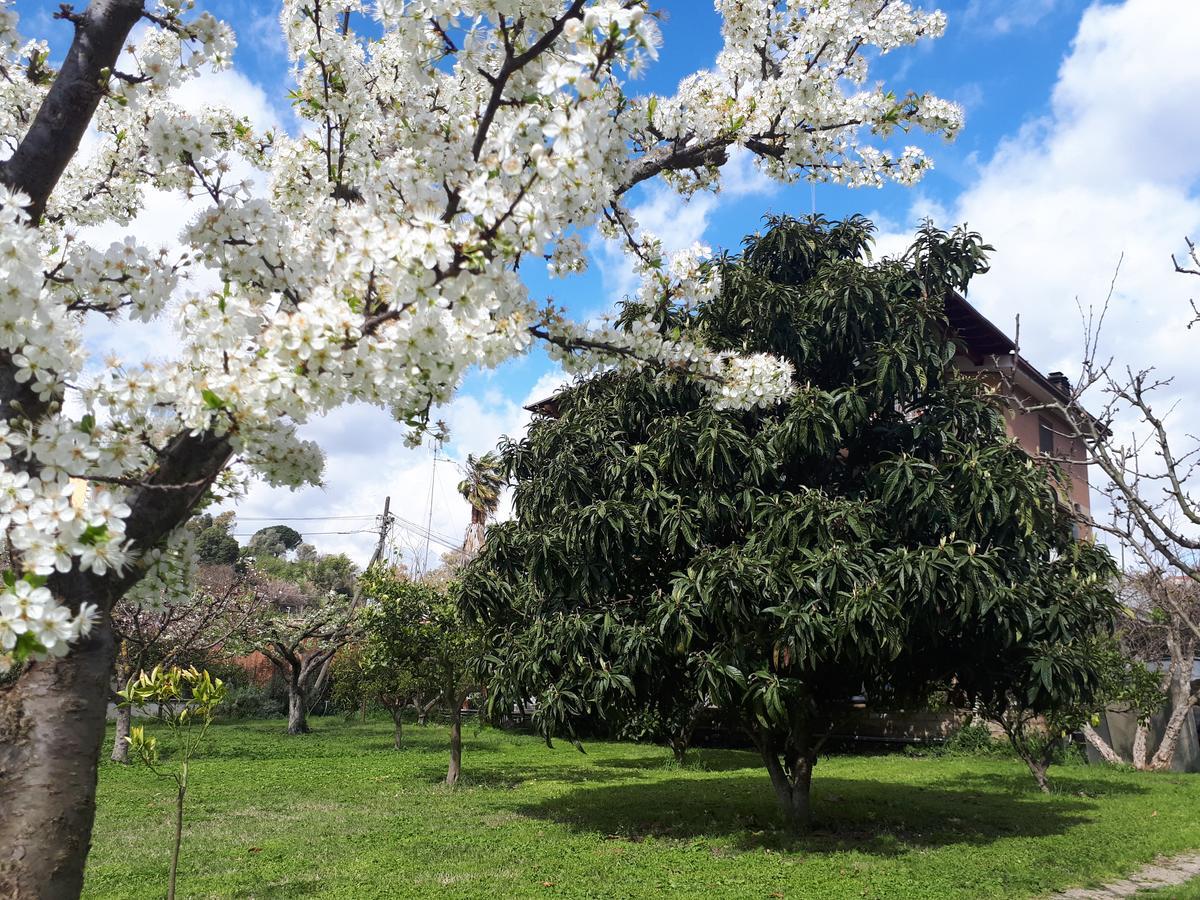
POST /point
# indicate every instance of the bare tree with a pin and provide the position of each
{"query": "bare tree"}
(1149, 491)
(224, 600)
(300, 637)
(1164, 608)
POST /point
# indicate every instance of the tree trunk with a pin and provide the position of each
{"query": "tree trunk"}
(423, 709)
(297, 710)
(52, 723)
(679, 749)
(179, 797)
(793, 791)
(120, 750)
(398, 720)
(793, 794)
(1038, 768)
(1139, 746)
(125, 675)
(1101, 746)
(455, 769)
(1170, 739)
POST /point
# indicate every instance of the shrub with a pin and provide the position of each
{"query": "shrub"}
(252, 701)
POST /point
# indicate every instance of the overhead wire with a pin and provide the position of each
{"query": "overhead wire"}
(299, 518)
(308, 533)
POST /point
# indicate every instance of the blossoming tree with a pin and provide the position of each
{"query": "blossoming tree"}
(444, 143)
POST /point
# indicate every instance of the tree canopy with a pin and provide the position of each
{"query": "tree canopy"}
(419, 643)
(875, 533)
(275, 540)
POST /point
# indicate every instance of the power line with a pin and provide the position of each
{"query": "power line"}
(417, 526)
(430, 536)
(308, 533)
(298, 518)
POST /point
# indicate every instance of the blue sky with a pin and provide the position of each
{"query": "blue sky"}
(1079, 147)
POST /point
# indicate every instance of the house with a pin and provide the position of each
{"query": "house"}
(1032, 413)
(1033, 408)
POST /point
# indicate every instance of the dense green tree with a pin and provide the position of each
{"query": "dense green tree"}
(216, 546)
(317, 573)
(877, 533)
(418, 642)
(275, 540)
(214, 542)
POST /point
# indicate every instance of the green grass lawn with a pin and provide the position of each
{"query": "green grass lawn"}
(338, 813)
(1187, 891)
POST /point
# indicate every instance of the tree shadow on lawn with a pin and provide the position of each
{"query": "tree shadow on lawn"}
(875, 817)
(1062, 782)
(704, 760)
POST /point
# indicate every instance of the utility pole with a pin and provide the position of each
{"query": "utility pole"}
(385, 527)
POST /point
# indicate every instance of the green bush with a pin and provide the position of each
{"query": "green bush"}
(252, 701)
(971, 739)
(975, 739)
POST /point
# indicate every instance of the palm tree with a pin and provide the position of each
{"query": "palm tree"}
(481, 488)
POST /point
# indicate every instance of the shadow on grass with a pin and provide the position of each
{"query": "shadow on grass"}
(874, 817)
(1062, 782)
(704, 760)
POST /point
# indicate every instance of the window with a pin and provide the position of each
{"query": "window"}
(1045, 437)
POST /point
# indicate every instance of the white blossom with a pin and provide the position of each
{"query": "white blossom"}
(380, 262)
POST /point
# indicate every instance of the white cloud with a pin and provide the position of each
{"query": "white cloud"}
(366, 460)
(1005, 16)
(1110, 171)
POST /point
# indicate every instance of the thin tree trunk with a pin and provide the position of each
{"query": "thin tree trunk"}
(120, 750)
(1020, 740)
(125, 675)
(179, 797)
(455, 769)
(52, 723)
(423, 709)
(679, 748)
(1038, 768)
(398, 720)
(297, 709)
(1101, 746)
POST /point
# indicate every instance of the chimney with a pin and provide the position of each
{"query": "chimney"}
(1060, 381)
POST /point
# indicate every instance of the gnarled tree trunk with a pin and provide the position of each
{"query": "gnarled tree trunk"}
(1101, 746)
(1140, 734)
(297, 708)
(1165, 754)
(52, 722)
(1038, 767)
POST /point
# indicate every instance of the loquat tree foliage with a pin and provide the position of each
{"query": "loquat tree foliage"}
(876, 533)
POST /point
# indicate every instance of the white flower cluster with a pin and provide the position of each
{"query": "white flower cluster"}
(747, 382)
(444, 145)
(32, 621)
